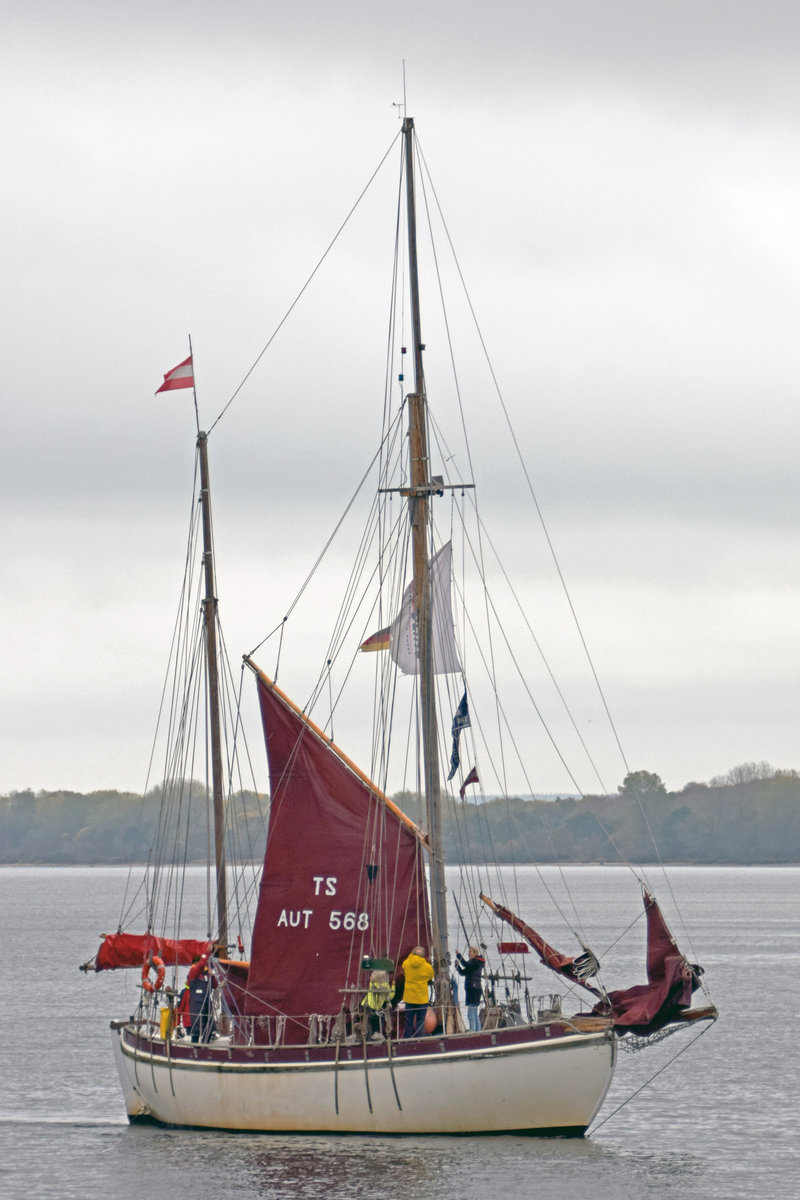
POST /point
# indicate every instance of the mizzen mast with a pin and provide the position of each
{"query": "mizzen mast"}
(212, 668)
(420, 492)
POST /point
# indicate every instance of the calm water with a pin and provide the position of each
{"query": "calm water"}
(720, 1121)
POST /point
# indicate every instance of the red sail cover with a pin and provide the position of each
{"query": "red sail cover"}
(343, 876)
(132, 949)
(649, 1006)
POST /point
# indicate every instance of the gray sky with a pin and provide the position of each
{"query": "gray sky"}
(622, 181)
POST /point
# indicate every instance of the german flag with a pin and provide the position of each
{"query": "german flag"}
(377, 641)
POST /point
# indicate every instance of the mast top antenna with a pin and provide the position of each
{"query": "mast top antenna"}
(400, 105)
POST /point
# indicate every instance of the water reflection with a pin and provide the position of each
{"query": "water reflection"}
(357, 1168)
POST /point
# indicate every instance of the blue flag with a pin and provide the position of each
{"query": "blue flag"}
(460, 721)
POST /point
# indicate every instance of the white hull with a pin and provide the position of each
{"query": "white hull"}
(550, 1085)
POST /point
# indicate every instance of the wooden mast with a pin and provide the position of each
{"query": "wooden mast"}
(421, 490)
(212, 667)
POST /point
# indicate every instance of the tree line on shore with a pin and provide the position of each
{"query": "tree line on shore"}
(749, 816)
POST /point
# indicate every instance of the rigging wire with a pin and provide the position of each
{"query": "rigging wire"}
(305, 286)
(128, 899)
(531, 489)
(321, 555)
(655, 1075)
(639, 872)
(180, 729)
(479, 556)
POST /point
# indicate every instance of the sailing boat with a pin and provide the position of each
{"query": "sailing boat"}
(351, 885)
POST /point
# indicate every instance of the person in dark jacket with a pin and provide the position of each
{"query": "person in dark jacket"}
(471, 968)
(201, 984)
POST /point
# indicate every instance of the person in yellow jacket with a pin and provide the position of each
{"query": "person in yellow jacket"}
(378, 996)
(418, 973)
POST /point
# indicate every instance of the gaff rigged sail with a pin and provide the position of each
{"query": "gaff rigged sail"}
(343, 874)
(577, 969)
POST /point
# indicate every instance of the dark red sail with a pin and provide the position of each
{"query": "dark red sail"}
(132, 949)
(343, 875)
(577, 969)
(650, 1006)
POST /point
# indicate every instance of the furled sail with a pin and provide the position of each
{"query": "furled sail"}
(671, 980)
(343, 875)
(401, 637)
(132, 949)
(578, 969)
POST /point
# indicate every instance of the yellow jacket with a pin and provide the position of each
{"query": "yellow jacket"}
(379, 994)
(418, 971)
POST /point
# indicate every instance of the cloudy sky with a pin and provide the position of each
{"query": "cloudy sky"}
(622, 181)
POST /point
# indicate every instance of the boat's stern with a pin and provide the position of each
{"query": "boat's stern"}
(135, 1106)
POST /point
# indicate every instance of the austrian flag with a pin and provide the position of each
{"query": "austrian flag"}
(181, 376)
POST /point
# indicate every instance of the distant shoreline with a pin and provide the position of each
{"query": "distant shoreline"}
(749, 821)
